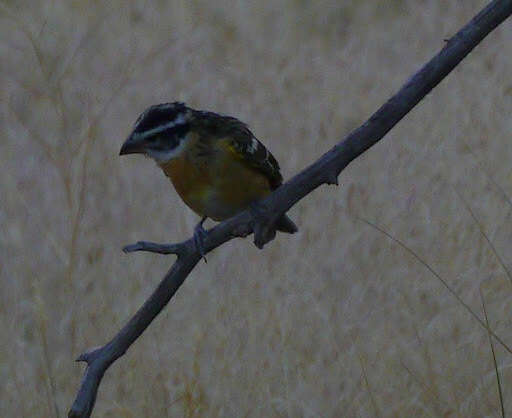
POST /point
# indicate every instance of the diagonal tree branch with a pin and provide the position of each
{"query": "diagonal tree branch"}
(324, 171)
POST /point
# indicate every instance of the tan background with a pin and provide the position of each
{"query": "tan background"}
(337, 320)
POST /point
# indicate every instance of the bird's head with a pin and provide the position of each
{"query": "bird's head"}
(160, 132)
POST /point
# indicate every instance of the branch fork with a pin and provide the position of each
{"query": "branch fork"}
(262, 224)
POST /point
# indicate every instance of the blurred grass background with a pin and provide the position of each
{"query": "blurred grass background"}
(338, 320)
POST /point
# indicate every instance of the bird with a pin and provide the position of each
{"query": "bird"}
(216, 164)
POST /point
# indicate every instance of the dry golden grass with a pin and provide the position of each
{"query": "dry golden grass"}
(339, 320)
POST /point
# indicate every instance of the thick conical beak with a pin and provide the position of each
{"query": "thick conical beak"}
(133, 146)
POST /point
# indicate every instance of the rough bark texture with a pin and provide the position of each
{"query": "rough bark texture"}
(324, 171)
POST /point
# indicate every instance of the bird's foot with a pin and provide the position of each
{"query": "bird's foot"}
(199, 235)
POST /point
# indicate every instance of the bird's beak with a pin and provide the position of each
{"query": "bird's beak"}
(133, 145)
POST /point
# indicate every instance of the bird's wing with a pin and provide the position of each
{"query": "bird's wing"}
(246, 147)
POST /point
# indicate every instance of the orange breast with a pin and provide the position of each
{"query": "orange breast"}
(236, 185)
(190, 181)
(219, 187)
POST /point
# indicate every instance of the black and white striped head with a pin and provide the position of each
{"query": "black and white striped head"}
(160, 132)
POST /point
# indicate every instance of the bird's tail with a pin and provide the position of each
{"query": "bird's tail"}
(285, 224)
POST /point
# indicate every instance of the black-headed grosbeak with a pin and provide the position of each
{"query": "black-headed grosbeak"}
(215, 163)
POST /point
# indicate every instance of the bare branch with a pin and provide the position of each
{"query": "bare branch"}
(153, 247)
(324, 171)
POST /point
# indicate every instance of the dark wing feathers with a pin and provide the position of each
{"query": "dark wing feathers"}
(245, 145)
(258, 156)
